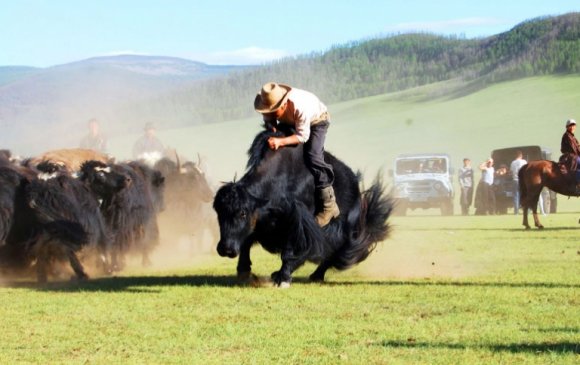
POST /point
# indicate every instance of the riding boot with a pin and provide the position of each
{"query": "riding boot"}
(329, 207)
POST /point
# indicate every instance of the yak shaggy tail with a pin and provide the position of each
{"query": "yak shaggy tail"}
(370, 226)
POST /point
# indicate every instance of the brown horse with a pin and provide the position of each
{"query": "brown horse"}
(533, 177)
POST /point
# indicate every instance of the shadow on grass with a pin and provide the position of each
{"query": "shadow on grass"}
(495, 229)
(536, 348)
(136, 284)
(153, 284)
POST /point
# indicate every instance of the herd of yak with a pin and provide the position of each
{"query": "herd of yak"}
(78, 207)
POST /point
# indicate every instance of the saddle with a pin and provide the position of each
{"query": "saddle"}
(569, 168)
(567, 164)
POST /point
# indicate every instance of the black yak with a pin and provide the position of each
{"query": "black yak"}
(53, 218)
(187, 195)
(127, 206)
(274, 204)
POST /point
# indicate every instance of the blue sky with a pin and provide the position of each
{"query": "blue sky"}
(43, 33)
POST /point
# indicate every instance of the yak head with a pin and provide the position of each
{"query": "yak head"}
(103, 179)
(237, 212)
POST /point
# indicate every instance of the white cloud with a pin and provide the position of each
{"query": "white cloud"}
(446, 26)
(244, 56)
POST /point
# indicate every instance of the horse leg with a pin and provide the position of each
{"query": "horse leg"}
(525, 217)
(534, 202)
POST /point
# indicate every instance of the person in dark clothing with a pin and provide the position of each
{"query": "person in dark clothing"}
(466, 183)
(570, 149)
(570, 145)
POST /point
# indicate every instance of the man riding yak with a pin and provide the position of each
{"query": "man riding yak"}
(570, 149)
(279, 103)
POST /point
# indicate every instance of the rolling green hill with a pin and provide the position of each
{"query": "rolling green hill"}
(368, 133)
(542, 46)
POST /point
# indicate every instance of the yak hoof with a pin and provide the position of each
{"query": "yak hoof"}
(316, 278)
(540, 227)
(527, 227)
(244, 275)
(78, 278)
(278, 279)
(283, 285)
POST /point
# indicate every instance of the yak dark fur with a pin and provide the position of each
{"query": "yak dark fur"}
(273, 204)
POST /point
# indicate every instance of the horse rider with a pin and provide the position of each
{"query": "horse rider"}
(279, 103)
(570, 149)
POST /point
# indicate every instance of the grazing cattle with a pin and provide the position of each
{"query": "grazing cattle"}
(71, 159)
(127, 207)
(273, 204)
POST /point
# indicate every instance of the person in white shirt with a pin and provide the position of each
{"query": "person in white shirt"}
(515, 167)
(279, 103)
(488, 197)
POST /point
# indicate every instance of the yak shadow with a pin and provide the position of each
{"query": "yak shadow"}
(516, 348)
(135, 284)
(153, 284)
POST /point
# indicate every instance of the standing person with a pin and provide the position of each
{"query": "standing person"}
(466, 184)
(148, 146)
(94, 139)
(301, 109)
(487, 195)
(515, 167)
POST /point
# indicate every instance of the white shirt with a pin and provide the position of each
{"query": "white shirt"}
(515, 166)
(303, 109)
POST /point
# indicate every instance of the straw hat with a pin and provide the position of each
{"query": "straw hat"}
(271, 97)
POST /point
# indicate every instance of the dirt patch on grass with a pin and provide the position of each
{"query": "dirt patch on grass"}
(409, 257)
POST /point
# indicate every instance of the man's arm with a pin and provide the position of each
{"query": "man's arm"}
(277, 142)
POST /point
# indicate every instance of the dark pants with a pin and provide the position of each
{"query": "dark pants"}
(466, 199)
(314, 156)
(488, 196)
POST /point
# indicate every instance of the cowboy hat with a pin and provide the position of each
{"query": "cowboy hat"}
(271, 97)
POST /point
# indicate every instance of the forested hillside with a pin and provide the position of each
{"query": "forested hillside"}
(546, 45)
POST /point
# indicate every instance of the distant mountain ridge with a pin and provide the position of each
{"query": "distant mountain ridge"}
(60, 99)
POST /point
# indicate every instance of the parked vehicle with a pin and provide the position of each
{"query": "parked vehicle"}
(423, 181)
(503, 185)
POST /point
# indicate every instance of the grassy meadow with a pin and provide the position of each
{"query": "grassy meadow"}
(441, 290)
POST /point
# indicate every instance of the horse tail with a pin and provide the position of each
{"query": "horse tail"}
(368, 226)
(522, 184)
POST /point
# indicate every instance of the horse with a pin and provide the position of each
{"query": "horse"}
(533, 176)
(274, 203)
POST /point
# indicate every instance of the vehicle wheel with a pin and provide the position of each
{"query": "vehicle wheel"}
(447, 208)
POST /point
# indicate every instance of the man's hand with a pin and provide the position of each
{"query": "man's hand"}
(275, 143)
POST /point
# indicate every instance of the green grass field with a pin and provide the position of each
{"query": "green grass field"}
(441, 290)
